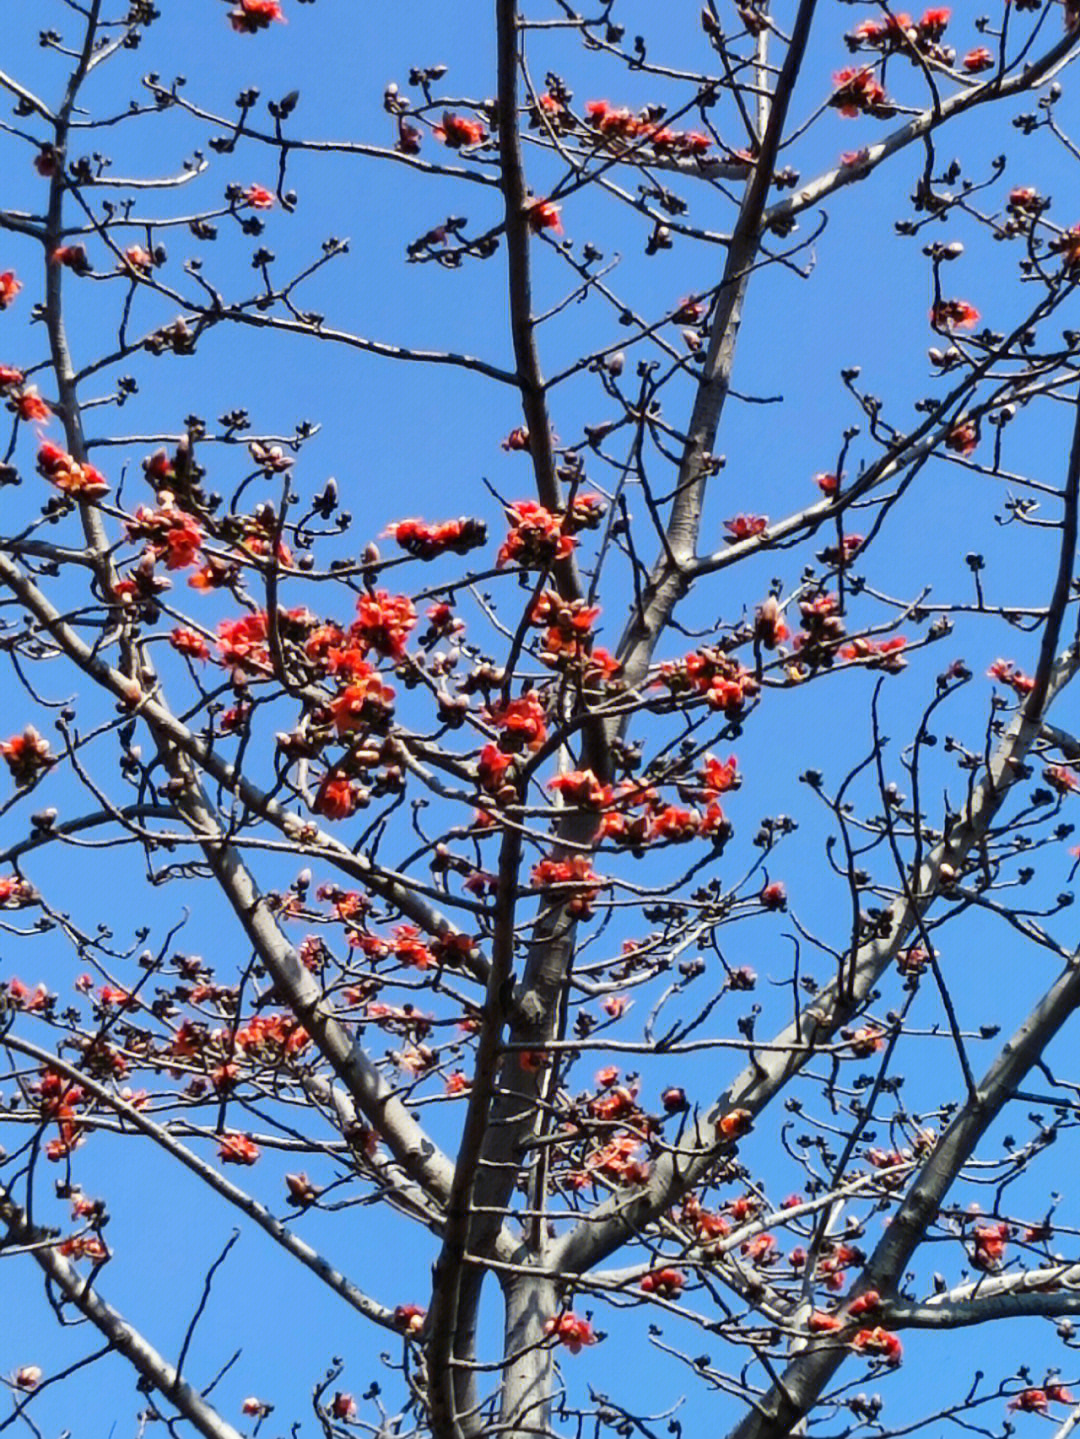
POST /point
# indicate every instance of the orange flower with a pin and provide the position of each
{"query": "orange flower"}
(568, 1329)
(977, 60)
(9, 288)
(878, 1343)
(238, 1149)
(954, 315)
(734, 1124)
(30, 406)
(543, 215)
(251, 16)
(456, 132)
(27, 755)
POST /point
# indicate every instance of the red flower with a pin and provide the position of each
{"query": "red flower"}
(664, 1283)
(238, 1149)
(258, 197)
(734, 1124)
(10, 378)
(537, 536)
(857, 92)
(410, 1318)
(579, 787)
(773, 896)
(575, 872)
(977, 60)
(1030, 1401)
(9, 288)
(30, 406)
(426, 542)
(878, 1343)
(336, 797)
(522, 721)
(72, 257)
(83, 482)
(933, 22)
(251, 16)
(822, 1323)
(139, 259)
(954, 315)
(190, 643)
(1007, 673)
(989, 1240)
(744, 527)
(1062, 778)
(568, 1329)
(963, 438)
(27, 755)
(367, 701)
(383, 623)
(343, 1406)
(543, 215)
(517, 439)
(457, 132)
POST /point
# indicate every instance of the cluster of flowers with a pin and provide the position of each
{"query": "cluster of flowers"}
(23, 399)
(725, 684)
(621, 127)
(426, 542)
(1007, 672)
(567, 641)
(859, 92)
(539, 536)
(27, 756)
(899, 32)
(80, 481)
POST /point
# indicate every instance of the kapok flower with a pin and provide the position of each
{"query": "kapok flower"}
(978, 60)
(664, 1283)
(954, 315)
(82, 482)
(72, 257)
(251, 16)
(426, 542)
(773, 896)
(734, 1124)
(335, 797)
(821, 1322)
(28, 1376)
(364, 702)
(457, 132)
(189, 643)
(570, 1330)
(963, 438)
(30, 406)
(537, 536)
(383, 623)
(523, 722)
(543, 215)
(1007, 673)
(27, 755)
(988, 1246)
(1030, 1401)
(139, 259)
(410, 1318)
(343, 1406)
(238, 1148)
(1062, 778)
(744, 527)
(576, 872)
(9, 288)
(858, 92)
(258, 197)
(878, 1343)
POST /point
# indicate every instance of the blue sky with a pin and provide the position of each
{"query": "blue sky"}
(402, 440)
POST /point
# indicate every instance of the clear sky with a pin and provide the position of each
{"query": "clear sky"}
(403, 439)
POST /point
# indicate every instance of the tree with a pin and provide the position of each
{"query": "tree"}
(363, 871)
